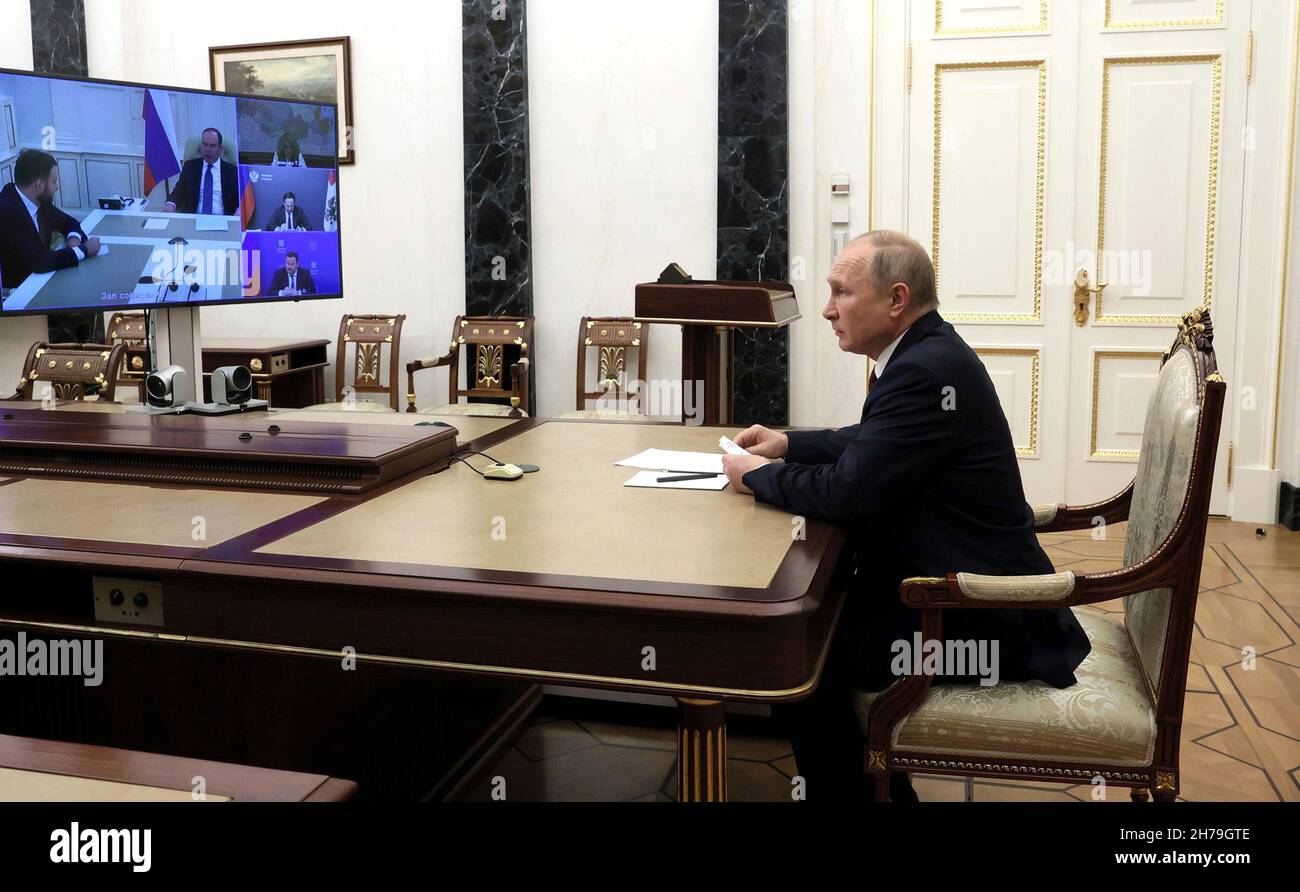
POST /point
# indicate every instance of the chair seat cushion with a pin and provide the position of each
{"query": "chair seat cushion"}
(1105, 718)
(472, 410)
(357, 406)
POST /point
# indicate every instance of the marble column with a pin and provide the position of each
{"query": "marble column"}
(753, 193)
(498, 225)
(59, 47)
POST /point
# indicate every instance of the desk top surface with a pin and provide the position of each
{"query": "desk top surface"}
(574, 518)
(573, 526)
(33, 770)
(256, 345)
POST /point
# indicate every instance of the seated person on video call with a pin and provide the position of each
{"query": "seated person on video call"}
(291, 279)
(28, 218)
(288, 216)
(925, 484)
(208, 184)
(287, 152)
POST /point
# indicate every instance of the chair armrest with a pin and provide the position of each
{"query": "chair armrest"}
(417, 365)
(1063, 518)
(519, 377)
(1049, 590)
(971, 590)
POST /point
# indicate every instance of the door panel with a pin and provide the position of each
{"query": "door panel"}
(1158, 212)
(1047, 140)
(989, 145)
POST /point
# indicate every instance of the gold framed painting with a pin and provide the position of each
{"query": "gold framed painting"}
(312, 71)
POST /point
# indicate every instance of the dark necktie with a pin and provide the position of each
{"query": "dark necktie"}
(206, 207)
(289, 225)
(871, 382)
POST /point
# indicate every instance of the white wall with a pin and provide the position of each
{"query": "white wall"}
(830, 64)
(623, 120)
(17, 333)
(402, 202)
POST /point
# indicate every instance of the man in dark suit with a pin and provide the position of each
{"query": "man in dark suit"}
(291, 280)
(288, 216)
(208, 184)
(925, 484)
(28, 218)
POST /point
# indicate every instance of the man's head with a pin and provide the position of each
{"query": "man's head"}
(291, 262)
(880, 285)
(37, 174)
(210, 142)
(289, 201)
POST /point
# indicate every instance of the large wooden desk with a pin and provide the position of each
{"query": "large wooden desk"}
(288, 374)
(564, 576)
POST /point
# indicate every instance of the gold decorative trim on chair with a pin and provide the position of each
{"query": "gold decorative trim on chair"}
(1125, 711)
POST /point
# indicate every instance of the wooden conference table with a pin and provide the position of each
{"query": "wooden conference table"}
(563, 577)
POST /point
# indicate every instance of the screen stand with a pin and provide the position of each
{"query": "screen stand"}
(175, 339)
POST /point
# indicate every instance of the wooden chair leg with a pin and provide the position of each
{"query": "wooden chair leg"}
(1165, 797)
(880, 787)
(1139, 794)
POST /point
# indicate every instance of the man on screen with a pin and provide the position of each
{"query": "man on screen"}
(288, 217)
(291, 280)
(208, 184)
(28, 218)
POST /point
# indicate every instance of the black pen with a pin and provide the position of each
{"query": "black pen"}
(683, 478)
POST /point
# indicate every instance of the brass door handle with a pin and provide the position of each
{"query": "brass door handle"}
(1083, 292)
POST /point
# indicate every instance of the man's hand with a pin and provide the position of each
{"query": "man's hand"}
(169, 207)
(737, 466)
(91, 247)
(758, 440)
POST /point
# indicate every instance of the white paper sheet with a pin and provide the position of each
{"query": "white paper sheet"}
(156, 223)
(650, 480)
(680, 462)
(211, 224)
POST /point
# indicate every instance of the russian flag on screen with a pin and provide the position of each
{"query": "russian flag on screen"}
(160, 159)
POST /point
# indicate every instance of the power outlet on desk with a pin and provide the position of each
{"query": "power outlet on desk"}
(136, 602)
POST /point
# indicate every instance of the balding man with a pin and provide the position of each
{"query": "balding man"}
(926, 484)
(208, 184)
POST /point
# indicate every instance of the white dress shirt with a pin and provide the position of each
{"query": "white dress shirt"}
(883, 360)
(34, 209)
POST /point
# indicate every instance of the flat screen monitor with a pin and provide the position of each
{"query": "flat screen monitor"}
(126, 195)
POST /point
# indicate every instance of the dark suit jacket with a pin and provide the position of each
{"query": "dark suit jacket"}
(189, 188)
(926, 488)
(300, 219)
(23, 250)
(281, 280)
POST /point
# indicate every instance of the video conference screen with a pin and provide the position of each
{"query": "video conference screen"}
(116, 195)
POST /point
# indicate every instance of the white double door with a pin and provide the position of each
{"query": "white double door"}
(1052, 139)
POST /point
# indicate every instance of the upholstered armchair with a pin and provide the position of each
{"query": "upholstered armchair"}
(615, 343)
(496, 365)
(70, 371)
(1122, 719)
(368, 338)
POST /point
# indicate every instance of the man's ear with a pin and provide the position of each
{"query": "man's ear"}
(900, 298)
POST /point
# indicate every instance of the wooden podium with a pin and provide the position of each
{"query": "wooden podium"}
(709, 313)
